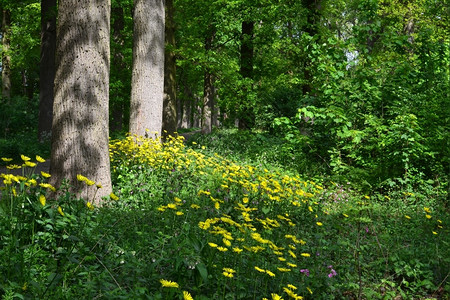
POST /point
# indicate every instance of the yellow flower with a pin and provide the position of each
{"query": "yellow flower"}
(427, 210)
(276, 297)
(40, 159)
(305, 254)
(99, 185)
(434, 232)
(291, 265)
(42, 200)
(179, 213)
(187, 296)
(171, 206)
(25, 158)
(237, 250)
(259, 269)
(217, 205)
(60, 211)
(90, 205)
(90, 182)
(227, 274)
(428, 216)
(222, 249)
(319, 223)
(45, 175)
(114, 197)
(48, 186)
(408, 217)
(6, 159)
(30, 164)
(283, 269)
(309, 290)
(345, 215)
(213, 245)
(195, 206)
(81, 178)
(271, 274)
(168, 283)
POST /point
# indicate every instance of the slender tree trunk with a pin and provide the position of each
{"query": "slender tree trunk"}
(246, 116)
(6, 58)
(47, 68)
(147, 83)
(312, 10)
(208, 103)
(170, 101)
(208, 89)
(80, 111)
(118, 67)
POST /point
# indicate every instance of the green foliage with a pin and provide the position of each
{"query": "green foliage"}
(181, 207)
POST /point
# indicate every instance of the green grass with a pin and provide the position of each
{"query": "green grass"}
(226, 217)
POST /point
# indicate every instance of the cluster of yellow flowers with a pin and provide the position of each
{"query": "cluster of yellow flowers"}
(242, 224)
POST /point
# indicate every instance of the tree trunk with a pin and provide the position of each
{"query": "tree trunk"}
(208, 89)
(47, 68)
(312, 18)
(246, 115)
(208, 103)
(147, 82)
(117, 68)
(80, 111)
(6, 58)
(170, 101)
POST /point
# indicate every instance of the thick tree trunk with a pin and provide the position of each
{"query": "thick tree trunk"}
(170, 101)
(147, 83)
(47, 68)
(80, 111)
(6, 58)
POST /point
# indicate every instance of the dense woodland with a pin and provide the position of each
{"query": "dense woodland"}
(325, 123)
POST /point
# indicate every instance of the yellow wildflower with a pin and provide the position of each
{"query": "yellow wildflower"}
(187, 296)
(168, 283)
(90, 205)
(42, 200)
(260, 270)
(276, 297)
(309, 290)
(214, 245)
(427, 210)
(30, 164)
(271, 274)
(60, 211)
(6, 159)
(195, 206)
(179, 213)
(222, 249)
(24, 158)
(237, 250)
(305, 254)
(40, 159)
(408, 217)
(428, 216)
(45, 175)
(319, 223)
(114, 197)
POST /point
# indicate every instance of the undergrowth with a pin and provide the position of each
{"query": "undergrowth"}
(192, 223)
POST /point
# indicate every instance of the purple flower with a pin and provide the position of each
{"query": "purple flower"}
(332, 274)
(306, 271)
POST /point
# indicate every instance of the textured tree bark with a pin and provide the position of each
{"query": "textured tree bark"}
(6, 58)
(147, 82)
(208, 89)
(170, 101)
(47, 68)
(80, 111)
